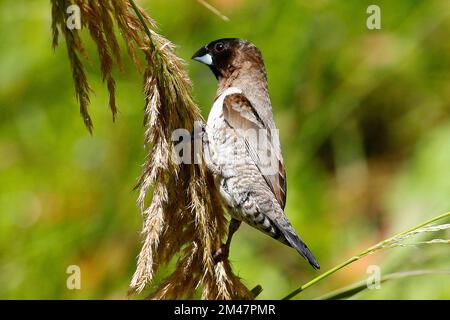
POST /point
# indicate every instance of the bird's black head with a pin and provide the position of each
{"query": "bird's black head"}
(223, 56)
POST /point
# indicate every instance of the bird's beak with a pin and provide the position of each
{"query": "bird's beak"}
(203, 56)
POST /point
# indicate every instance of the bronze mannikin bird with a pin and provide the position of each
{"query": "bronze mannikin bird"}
(241, 144)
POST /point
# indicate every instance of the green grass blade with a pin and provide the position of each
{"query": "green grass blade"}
(362, 254)
(351, 290)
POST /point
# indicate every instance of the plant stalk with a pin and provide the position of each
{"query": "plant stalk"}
(360, 255)
(144, 24)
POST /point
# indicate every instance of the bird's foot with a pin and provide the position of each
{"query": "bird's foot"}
(221, 254)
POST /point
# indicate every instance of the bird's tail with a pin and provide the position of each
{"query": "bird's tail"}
(296, 242)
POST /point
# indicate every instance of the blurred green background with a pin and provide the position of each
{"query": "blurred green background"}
(364, 118)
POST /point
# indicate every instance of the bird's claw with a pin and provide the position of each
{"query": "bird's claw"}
(221, 254)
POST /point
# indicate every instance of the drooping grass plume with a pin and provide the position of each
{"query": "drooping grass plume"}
(184, 215)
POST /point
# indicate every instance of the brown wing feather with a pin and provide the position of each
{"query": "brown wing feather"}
(239, 114)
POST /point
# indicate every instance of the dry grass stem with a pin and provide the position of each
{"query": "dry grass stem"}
(214, 10)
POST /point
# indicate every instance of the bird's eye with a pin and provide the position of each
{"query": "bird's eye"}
(219, 47)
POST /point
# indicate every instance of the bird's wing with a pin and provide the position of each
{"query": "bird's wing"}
(240, 115)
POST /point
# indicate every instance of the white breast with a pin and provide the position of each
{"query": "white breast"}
(221, 146)
(217, 108)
